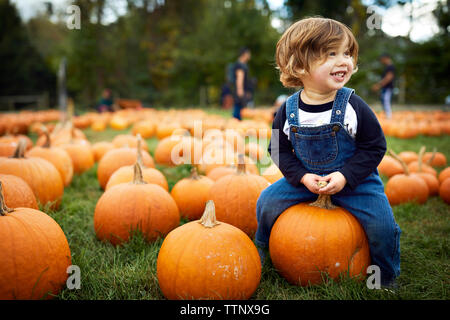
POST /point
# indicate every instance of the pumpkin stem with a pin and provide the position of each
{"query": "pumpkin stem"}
(396, 157)
(241, 164)
(139, 151)
(47, 143)
(432, 156)
(194, 173)
(138, 178)
(20, 149)
(3, 208)
(323, 200)
(208, 219)
(420, 160)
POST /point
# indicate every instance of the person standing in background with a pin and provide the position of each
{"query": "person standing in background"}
(106, 103)
(240, 72)
(386, 84)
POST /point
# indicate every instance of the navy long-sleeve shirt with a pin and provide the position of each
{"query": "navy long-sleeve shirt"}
(369, 140)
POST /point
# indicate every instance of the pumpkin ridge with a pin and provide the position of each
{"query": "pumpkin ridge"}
(190, 242)
(353, 243)
(256, 261)
(31, 235)
(13, 250)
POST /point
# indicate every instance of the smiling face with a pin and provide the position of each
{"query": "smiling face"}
(331, 72)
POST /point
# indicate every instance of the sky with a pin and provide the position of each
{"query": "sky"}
(394, 21)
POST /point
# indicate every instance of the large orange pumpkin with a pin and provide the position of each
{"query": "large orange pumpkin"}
(309, 239)
(17, 193)
(34, 254)
(42, 176)
(208, 259)
(235, 198)
(191, 194)
(135, 206)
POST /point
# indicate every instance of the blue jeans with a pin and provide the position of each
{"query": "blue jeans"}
(237, 109)
(386, 98)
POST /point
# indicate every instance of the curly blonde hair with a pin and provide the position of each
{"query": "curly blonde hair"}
(307, 41)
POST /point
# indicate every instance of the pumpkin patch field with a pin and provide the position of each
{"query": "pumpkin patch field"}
(132, 207)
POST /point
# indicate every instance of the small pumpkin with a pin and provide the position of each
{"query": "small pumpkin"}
(430, 179)
(126, 173)
(127, 140)
(219, 172)
(57, 156)
(191, 194)
(254, 151)
(178, 149)
(389, 166)
(309, 239)
(100, 148)
(416, 166)
(408, 156)
(406, 187)
(79, 150)
(135, 206)
(235, 198)
(34, 254)
(146, 128)
(116, 158)
(435, 159)
(209, 260)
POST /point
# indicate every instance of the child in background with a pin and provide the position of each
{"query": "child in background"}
(325, 132)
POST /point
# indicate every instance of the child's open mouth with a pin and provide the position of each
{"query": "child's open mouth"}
(339, 76)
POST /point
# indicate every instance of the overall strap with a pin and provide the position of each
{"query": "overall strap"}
(340, 104)
(292, 109)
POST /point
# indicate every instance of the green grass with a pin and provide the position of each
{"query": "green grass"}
(129, 271)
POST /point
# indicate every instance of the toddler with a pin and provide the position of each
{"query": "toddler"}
(325, 132)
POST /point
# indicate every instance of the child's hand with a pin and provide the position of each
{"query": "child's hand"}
(336, 182)
(310, 181)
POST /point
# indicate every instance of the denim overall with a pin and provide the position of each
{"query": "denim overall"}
(322, 150)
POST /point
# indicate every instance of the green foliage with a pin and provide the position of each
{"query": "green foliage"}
(22, 69)
(174, 53)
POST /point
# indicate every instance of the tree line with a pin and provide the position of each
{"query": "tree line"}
(171, 53)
